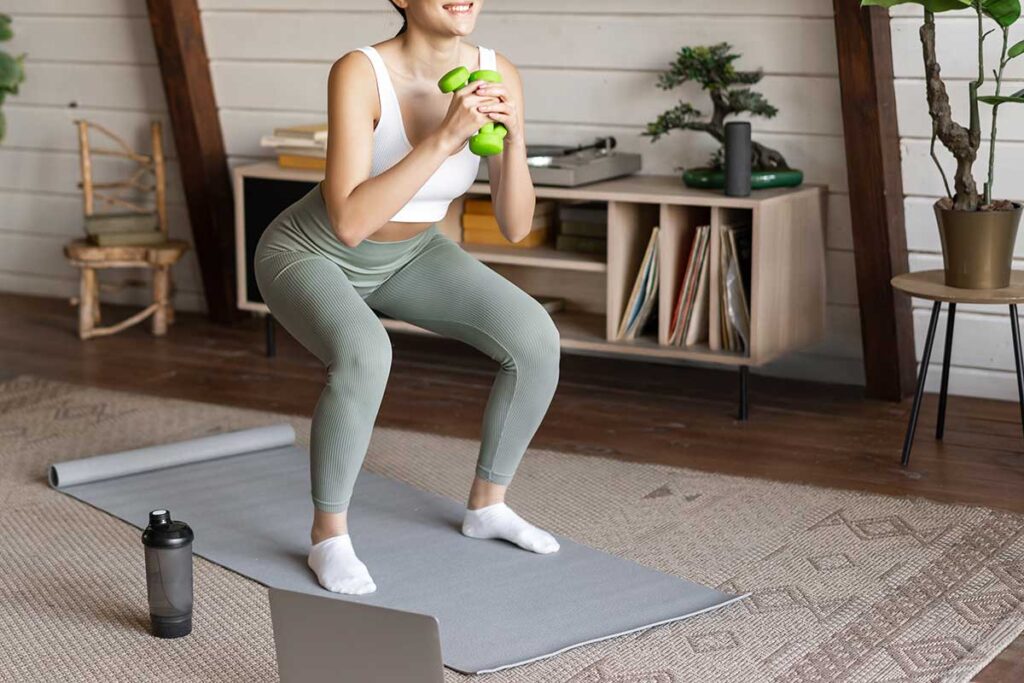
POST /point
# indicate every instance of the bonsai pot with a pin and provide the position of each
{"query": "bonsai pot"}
(977, 246)
(714, 179)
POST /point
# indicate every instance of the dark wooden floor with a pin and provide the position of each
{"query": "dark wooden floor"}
(798, 431)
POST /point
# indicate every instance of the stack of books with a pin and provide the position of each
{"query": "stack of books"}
(302, 147)
(691, 322)
(735, 287)
(583, 228)
(480, 226)
(645, 292)
(120, 229)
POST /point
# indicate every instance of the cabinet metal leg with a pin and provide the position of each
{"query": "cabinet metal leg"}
(940, 423)
(271, 339)
(908, 441)
(1017, 359)
(744, 406)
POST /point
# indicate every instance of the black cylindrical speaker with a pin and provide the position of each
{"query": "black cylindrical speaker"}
(737, 159)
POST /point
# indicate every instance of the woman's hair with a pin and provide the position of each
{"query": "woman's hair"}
(405, 22)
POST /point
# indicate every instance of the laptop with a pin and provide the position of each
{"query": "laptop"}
(321, 639)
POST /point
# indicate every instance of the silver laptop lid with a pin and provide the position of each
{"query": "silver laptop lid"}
(324, 639)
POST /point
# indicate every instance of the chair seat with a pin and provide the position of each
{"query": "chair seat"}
(167, 253)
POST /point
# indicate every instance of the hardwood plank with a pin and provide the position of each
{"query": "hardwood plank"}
(815, 433)
(804, 432)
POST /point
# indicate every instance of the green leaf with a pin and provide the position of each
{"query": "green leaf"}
(1002, 99)
(12, 72)
(1016, 51)
(1004, 12)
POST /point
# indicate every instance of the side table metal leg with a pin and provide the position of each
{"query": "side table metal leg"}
(271, 340)
(744, 406)
(940, 424)
(908, 441)
(1018, 361)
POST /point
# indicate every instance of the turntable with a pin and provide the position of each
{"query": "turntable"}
(563, 166)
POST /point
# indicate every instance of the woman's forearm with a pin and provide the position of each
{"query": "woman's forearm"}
(514, 200)
(374, 201)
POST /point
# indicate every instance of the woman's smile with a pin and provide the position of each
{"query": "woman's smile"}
(459, 9)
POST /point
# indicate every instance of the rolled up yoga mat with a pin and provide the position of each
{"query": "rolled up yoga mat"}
(97, 468)
(246, 496)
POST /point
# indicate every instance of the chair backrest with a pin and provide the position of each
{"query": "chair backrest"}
(149, 175)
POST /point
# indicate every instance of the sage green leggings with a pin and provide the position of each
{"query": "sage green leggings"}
(325, 293)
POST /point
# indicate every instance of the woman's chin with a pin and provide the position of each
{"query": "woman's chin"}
(450, 33)
(460, 29)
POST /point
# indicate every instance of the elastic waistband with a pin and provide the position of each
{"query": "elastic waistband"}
(304, 226)
(397, 246)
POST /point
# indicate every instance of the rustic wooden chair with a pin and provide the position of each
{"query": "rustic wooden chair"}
(148, 177)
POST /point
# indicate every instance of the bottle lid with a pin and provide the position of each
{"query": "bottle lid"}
(163, 532)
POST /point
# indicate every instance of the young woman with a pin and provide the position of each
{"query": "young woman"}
(364, 239)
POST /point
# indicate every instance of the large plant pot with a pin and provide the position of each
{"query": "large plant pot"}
(977, 246)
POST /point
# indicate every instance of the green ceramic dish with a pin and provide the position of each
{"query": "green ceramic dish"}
(711, 179)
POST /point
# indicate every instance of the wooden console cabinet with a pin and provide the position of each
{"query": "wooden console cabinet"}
(787, 288)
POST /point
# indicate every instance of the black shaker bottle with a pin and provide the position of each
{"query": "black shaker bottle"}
(168, 575)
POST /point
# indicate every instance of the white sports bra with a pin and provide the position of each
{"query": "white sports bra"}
(391, 144)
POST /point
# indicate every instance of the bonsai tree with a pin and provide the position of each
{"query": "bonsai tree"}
(12, 70)
(712, 67)
(963, 141)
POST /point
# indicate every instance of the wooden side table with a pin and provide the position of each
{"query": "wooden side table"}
(930, 284)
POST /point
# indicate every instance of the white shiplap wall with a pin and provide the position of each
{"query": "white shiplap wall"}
(589, 66)
(89, 59)
(982, 358)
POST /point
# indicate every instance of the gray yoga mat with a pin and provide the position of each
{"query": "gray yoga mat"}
(246, 495)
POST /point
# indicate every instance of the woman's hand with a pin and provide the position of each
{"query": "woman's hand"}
(503, 110)
(464, 117)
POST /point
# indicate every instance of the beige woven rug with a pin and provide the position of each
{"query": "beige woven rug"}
(845, 586)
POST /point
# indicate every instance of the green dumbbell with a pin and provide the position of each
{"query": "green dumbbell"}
(488, 141)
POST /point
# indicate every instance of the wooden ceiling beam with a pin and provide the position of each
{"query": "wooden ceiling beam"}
(185, 70)
(864, 46)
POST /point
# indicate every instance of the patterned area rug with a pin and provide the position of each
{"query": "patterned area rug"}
(845, 586)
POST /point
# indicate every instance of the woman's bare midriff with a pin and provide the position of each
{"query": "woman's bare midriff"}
(393, 231)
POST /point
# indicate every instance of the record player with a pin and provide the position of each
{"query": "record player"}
(567, 166)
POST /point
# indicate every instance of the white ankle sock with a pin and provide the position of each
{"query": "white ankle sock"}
(338, 569)
(499, 521)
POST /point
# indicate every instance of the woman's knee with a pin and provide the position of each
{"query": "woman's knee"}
(367, 362)
(536, 346)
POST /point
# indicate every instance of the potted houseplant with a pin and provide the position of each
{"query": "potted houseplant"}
(12, 70)
(729, 89)
(977, 232)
